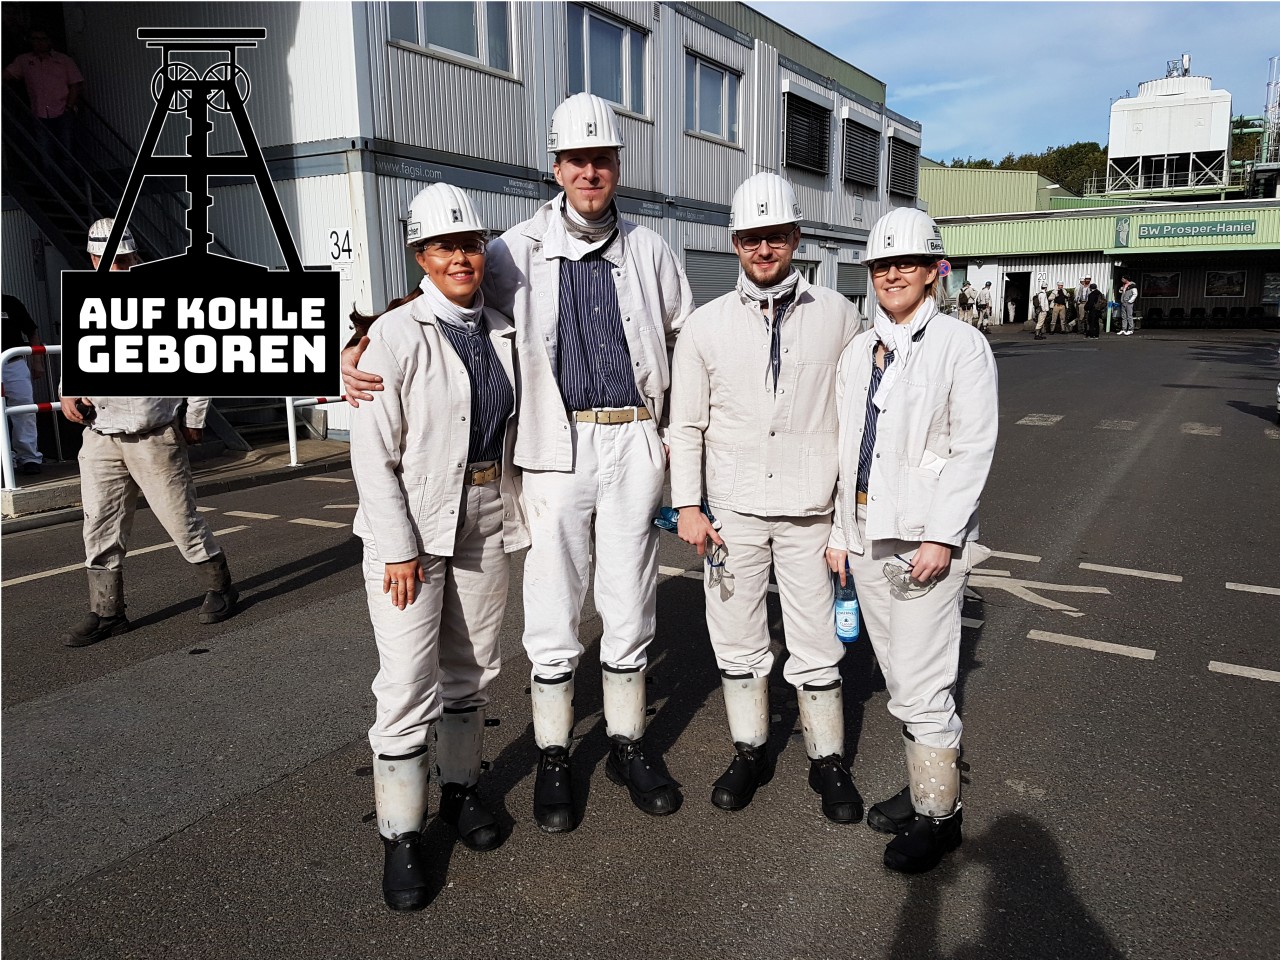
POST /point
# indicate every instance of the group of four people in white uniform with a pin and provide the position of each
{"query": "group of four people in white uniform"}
(519, 397)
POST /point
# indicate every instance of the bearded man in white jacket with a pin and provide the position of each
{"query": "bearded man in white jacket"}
(753, 411)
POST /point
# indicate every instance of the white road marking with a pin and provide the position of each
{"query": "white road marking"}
(1171, 577)
(1201, 430)
(80, 566)
(331, 524)
(983, 571)
(328, 479)
(1251, 588)
(671, 571)
(1116, 425)
(1255, 673)
(1023, 589)
(1025, 557)
(247, 515)
(1040, 419)
(206, 509)
(1117, 648)
(970, 622)
(342, 506)
(970, 595)
(1272, 432)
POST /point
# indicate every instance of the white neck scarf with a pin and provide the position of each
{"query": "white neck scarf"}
(580, 235)
(784, 288)
(899, 337)
(445, 310)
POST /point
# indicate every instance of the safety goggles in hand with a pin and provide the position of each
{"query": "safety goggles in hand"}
(899, 575)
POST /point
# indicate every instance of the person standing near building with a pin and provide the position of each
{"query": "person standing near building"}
(20, 330)
(1128, 294)
(1012, 303)
(965, 301)
(1095, 306)
(54, 85)
(133, 445)
(918, 414)
(439, 512)
(984, 307)
(769, 459)
(1040, 307)
(1059, 300)
(1080, 323)
(596, 301)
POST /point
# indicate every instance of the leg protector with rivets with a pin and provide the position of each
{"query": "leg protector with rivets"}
(934, 775)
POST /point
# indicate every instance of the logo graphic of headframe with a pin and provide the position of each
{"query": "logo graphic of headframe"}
(200, 323)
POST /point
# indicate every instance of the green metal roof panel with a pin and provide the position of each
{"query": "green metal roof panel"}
(961, 191)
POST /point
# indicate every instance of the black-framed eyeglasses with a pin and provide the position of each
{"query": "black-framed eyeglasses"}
(905, 267)
(447, 248)
(775, 240)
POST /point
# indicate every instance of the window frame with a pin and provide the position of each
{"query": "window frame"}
(727, 122)
(422, 43)
(625, 68)
(789, 98)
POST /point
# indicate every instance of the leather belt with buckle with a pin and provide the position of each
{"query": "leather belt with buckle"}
(624, 415)
(862, 497)
(479, 476)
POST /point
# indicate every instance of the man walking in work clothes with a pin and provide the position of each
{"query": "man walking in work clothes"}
(597, 302)
(753, 409)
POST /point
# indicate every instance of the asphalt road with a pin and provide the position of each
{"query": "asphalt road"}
(191, 791)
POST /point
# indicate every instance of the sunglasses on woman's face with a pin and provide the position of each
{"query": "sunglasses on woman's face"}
(882, 267)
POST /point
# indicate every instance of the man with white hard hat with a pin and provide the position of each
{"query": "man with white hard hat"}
(1079, 322)
(597, 301)
(753, 411)
(1040, 308)
(966, 301)
(136, 445)
(983, 300)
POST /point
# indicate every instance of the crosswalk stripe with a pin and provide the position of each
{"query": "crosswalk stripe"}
(1040, 419)
(1116, 424)
(1139, 653)
(1200, 430)
(248, 515)
(1254, 673)
(1101, 568)
(331, 524)
(1251, 588)
(1024, 557)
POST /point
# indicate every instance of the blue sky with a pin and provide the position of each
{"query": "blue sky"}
(988, 79)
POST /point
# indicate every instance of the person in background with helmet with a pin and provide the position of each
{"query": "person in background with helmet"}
(769, 457)
(916, 400)
(596, 301)
(1040, 307)
(965, 302)
(1128, 295)
(1081, 321)
(439, 512)
(1059, 301)
(984, 307)
(132, 445)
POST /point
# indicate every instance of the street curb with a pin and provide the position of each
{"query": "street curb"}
(206, 488)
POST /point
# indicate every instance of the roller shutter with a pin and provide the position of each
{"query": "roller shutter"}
(851, 280)
(904, 167)
(808, 139)
(710, 275)
(861, 154)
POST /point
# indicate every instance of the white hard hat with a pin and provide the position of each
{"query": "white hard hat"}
(100, 232)
(904, 232)
(439, 210)
(583, 121)
(764, 200)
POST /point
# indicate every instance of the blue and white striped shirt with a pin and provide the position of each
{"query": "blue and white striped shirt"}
(869, 425)
(593, 362)
(492, 397)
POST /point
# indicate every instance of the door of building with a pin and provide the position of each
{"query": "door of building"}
(1017, 297)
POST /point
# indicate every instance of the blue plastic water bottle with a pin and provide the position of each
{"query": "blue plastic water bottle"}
(846, 608)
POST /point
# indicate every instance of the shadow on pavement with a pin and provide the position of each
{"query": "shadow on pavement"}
(1254, 409)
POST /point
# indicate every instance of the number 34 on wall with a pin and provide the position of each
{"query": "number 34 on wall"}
(338, 245)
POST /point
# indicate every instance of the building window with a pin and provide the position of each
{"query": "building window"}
(808, 141)
(479, 30)
(904, 167)
(861, 154)
(606, 57)
(710, 99)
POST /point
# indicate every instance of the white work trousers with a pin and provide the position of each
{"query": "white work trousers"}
(113, 469)
(617, 478)
(917, 640)
(737, 620)
(443, 649)
(22, 428)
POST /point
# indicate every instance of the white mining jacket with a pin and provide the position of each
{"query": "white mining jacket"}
(934, 440)
(522, 276)
(764, 453)
(409, 444)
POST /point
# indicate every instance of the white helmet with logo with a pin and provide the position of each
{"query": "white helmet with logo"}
(583, 122)
(100, 232)
(764, 200)
(439, 210)
(904, 232)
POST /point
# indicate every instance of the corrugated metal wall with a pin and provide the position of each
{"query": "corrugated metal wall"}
(953, 192)
(26, 273)
(296, 73)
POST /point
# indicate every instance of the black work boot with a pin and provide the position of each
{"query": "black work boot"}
(221, 597)
(750, 769)
(94, 628)
(553, 792)
(462, 808)
(893, 815)
(923, 844)
(404, 872)
(830, 778)
(651, 790)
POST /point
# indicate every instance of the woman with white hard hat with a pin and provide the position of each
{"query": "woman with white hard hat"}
(439, 511)
(917, 406)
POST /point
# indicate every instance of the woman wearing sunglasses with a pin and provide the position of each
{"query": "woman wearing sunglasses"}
(916, 397)
(439, 511)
